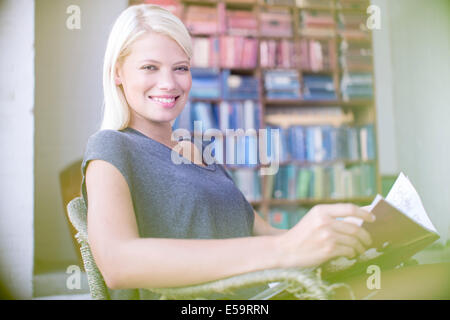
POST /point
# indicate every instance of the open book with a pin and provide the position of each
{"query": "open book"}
(402, 228)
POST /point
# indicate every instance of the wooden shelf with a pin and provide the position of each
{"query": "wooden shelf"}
(263, 37)
(219, 100)
(356, 69)
(293, 102)
(317, 8)
(367, 39)
(200, 2)
(301, 102)
(309, 71)
(277, 6)
(300, 163)
(326, 163)
(204, 35)
(353, 10)
(309, 202)
(236, 4)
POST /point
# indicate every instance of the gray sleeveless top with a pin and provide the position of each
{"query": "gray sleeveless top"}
(172, 200)
(183, 201)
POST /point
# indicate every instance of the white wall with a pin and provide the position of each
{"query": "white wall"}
(16, 143)
(68, 108)
(384, 93)
(420, 41)
(412, 66)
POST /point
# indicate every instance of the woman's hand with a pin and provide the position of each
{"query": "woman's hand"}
(319, 236)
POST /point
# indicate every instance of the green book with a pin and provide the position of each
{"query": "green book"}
(319, 192)
(303, 183)
(291, 181)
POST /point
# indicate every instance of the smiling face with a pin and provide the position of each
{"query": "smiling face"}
(155, 78)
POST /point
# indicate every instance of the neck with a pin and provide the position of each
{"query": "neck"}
(158, 131)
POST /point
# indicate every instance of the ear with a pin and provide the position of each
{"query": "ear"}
(117, 76)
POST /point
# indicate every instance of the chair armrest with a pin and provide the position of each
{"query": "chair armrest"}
(302, 283)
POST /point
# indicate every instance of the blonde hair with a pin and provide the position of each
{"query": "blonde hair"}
(129, 26)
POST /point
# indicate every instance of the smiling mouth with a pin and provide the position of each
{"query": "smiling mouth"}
(166, 102)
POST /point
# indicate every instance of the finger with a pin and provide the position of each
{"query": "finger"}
(352, 230)
(350, 241)
(348, 210)
(344, 251)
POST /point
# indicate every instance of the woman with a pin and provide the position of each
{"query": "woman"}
(153, 223)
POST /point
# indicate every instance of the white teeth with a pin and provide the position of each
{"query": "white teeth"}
(164, 100)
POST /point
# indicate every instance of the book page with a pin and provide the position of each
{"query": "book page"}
(359, 221)
(405, 198)
(374, 202)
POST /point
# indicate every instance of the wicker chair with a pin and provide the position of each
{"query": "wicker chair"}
(299, 283)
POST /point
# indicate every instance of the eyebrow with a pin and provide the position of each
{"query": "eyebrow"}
(155, 61)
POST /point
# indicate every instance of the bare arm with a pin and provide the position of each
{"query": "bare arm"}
(263, 228)
(128, 261)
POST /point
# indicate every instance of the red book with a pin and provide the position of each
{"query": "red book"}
(221, 17)
(249, 53)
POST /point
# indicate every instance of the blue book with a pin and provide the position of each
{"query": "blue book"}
(319, 87)
(310, 144)
(371, 145)
(233, 116)
(270, 142)
(281, 80)
(353, 144)
(239, 86)
(333, 136)
(290, 139)
(277, 192)
(326, 143)
(300, 143)
(184, 119)
(288, 95)
(251, 151)
(224, 115)
(205, 83)
(240, 149)
(314, 95)
(297, 143)
(202, 112)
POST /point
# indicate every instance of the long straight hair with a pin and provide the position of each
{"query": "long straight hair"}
(132, 23)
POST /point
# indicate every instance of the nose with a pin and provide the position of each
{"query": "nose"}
(166, 80)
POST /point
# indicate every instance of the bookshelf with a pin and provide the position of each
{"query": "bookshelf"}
(327, 46)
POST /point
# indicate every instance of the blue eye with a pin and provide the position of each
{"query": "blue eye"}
(149, 67)
(183, 68)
